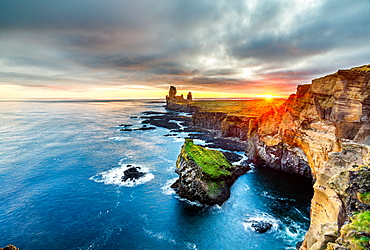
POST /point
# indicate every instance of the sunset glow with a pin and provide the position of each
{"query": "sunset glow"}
(110, 52)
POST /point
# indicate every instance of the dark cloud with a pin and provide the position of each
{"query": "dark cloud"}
(224, 45)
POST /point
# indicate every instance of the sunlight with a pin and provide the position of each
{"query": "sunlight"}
(268, 96)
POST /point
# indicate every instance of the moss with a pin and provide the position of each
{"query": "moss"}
(212, 162)
(357, 232)
(364, 197)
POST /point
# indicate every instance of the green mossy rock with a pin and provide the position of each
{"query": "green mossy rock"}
(205, 175)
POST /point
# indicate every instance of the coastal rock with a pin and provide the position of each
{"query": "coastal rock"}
(9, 247)
(132, 174)
(205, 175)
(175, 102)
(261, 226)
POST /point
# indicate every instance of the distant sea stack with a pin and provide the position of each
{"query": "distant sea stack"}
(205, 175)
(176, 102)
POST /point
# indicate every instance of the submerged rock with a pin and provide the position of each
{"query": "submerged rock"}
(205, 175)
(132, 173)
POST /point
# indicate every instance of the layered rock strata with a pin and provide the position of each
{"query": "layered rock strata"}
(205, 175)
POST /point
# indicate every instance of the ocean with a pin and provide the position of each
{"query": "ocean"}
(60, 172)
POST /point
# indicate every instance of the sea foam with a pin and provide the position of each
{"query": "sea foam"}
(114, 176)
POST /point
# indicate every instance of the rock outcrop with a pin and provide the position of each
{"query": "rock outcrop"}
(176, 102)
(205, 175)
(9, 247)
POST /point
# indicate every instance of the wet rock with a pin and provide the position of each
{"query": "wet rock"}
(132, 173)
(261, 226)
(125, 129)
(9, 247)
(232, 157)
(125, 125)
(146, 128)
(170, 135)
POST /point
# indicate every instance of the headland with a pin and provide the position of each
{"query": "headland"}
(320, 132)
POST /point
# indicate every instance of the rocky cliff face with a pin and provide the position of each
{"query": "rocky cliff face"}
(321, 131)
(204, 175)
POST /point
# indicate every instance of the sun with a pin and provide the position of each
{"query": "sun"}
(268, 97)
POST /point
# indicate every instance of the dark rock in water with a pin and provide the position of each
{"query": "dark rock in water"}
(146, 128)
(125, 125)
(261, 226)
(170, 135)
(134, 117)
(126, 129)
(232, 157)
(132, 173)
(154, 113)
(299, 244)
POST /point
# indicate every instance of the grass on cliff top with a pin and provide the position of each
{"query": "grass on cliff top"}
(358, 231)
(364, 197)
(364, 68)
(248, 108)
(212, 162)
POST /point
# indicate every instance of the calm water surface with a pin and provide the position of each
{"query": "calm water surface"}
(60, 168)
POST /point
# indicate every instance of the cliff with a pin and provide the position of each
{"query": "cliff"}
(321, 132)
(205, 175)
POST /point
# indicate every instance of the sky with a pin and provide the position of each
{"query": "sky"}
(123, 49)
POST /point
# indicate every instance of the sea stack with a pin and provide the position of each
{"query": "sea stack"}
(205, 175)
(177, 102)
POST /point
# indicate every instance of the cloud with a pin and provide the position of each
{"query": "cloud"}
(224, 45)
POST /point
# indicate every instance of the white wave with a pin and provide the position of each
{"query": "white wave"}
(264, 217)
(268, 195)
(114, 176)
(243, 159)
(190, 245)
(191, 203)
(159, 236)
(178, 139)
(293, 233)
(166, 189)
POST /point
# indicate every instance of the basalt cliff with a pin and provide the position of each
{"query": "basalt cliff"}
(321, 132)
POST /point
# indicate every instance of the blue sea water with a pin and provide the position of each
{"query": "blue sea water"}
(60, 188)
